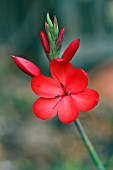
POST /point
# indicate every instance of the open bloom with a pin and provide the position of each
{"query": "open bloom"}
(64, 94)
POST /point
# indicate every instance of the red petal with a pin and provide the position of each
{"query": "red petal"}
(45, 42)
(86, 100)
(71, 50)
(77, 81)
(26, 66)
(67, 110)
(45, 108)
(46, 87)
(60, 69)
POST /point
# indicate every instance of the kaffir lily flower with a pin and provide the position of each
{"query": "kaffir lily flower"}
(64, 94)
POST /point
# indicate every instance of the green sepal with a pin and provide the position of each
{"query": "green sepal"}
(49, 21)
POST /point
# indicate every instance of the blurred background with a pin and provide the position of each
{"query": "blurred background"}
(27, 143)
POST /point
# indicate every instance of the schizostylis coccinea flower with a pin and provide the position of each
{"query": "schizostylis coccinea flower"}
(65, 94)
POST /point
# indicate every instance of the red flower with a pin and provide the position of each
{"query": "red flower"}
(71, 50)
(26, 66)
(64, 94)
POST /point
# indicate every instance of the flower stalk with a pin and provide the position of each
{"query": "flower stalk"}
(89, 145)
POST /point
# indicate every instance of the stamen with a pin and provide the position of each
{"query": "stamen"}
(66, 93)
(57, 96)
(62, 85)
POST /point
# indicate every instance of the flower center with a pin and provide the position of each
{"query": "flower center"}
(65, 93)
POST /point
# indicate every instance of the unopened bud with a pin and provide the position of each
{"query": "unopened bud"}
(60, 38)
(26, 66)
(50, 38)
(71, 50)
(49, 21)
(55, 26)
(45, 42)
(46, 28)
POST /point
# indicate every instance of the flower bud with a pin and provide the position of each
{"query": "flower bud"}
(71, 50)
(46, 28)
(50, 24)
(60, 38)
(45, 42)
(26, 66)
(55, 26)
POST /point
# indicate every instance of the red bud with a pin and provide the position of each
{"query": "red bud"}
(27, 66)
(71, 50)
(55, 22)
(45, 42)
(60, 38)
(46, 28)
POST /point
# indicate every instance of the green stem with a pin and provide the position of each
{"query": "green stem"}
(89, 146)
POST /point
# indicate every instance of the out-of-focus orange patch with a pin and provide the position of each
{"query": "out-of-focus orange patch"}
(102, 80)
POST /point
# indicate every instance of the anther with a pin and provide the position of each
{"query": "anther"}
(62, 85)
